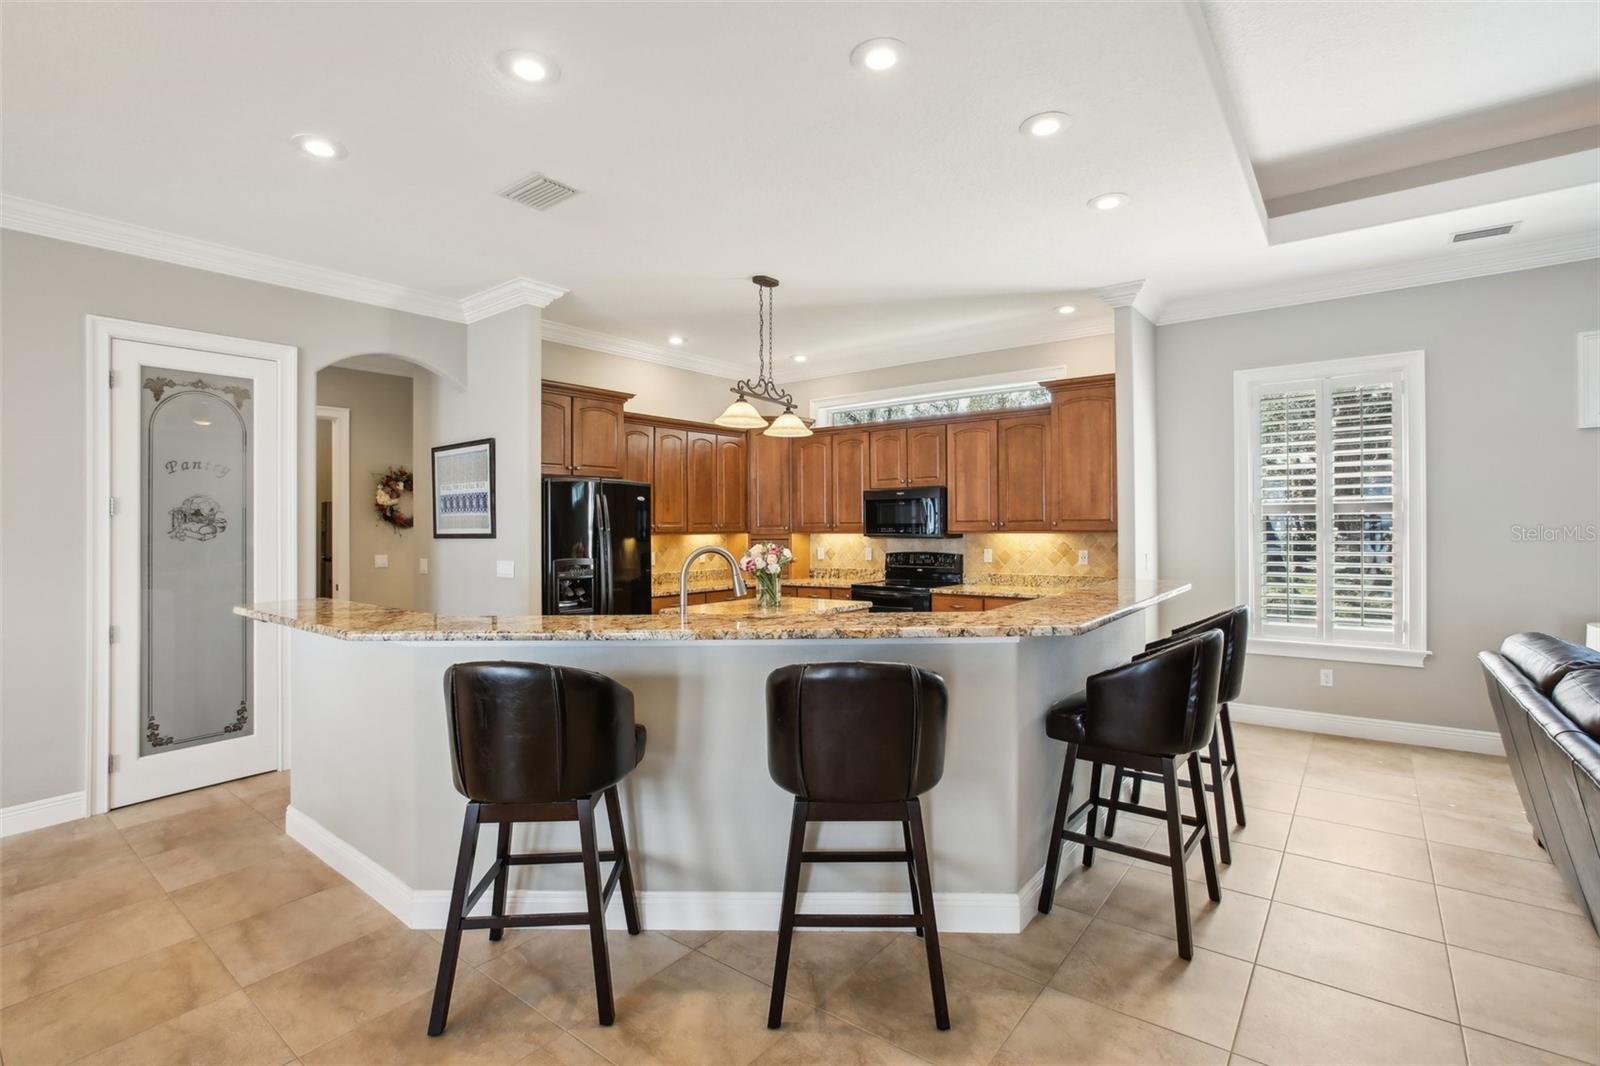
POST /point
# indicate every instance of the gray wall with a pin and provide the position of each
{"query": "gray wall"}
(47, 287)
(380, 437)
(1502, 450)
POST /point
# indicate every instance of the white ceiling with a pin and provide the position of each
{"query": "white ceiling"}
(905, 214)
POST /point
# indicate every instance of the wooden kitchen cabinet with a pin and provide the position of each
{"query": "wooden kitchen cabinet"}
(807, 592)
(1022, 472)
(813, 483)
(1083, 453)
(731, 515)
(638, 451)
(972, 449)
(669, 483)
(913, 455)
(581, 430)
(886, 458)
(770, 496)
(702, 481)
(925, 447)
(848, 474)
(716, 482)
(947, 602)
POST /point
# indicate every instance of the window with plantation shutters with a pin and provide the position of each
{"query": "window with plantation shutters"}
(1330, 475)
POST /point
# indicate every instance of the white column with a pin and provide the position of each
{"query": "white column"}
(1135, 335)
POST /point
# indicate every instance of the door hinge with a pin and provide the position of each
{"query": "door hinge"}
(111, 379)
(111, 635)
(111, 764)
(111, 508)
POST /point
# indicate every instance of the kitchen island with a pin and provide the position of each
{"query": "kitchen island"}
(372, 793)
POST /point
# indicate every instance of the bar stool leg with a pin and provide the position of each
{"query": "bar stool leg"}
(919, 849)
(1052, 862)
(451, 949)
(619, 843)
(1233, 763)
(502, 849)
(597, 914)
(1116, 796)
(911, 872)
(1094, 811)
(1213, 889)
(791, 891)
(1180, 884)
(1219, 796)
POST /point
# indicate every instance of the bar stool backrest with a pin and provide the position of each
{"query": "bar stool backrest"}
(1234, 625)
(1162, 703)
(531, 733)
(855, 732)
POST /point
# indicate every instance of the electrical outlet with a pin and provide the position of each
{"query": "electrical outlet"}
(380, 562)
(652, 560)
(505, 568)
(1325, 678)
(988, 555)
(1083, 557)
(867, 553)
(422, 566)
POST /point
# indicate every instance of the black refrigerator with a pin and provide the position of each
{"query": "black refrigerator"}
(596, 546)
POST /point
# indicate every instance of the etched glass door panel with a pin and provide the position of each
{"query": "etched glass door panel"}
(195, 559)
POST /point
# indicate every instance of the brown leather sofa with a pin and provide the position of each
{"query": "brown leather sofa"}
(1546, 698)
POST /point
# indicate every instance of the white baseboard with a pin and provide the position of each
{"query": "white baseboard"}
(1481, 741)
(41, 814)
(958, 912)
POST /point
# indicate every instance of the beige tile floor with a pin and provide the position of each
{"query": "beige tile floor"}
(1385, 904)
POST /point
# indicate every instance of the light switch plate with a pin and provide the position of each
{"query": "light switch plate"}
(822, 553)
(1325, 678)
(505, 568)
(988, 555)
(380, 562)
(422, 566)
(867, 553)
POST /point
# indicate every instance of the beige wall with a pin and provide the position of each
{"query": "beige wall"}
(47, 287)
(380, 437)
(1502, 450)
(658, 390)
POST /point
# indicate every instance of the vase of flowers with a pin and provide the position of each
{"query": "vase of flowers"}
(766, 563)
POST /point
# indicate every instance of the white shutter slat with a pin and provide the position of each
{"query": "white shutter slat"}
(1287, 489)
(1362, 459)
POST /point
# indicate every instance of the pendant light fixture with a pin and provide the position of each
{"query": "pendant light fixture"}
(741, 413)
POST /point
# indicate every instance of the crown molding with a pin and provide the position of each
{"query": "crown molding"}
(1139, 295)
(518, 292)
(1528, 255)
(610, 344)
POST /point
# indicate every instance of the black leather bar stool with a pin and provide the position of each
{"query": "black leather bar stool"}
(1234, 625)
(1147, 715)
(857, 742)
(535, 743)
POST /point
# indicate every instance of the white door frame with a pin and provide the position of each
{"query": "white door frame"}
(340, 417)
(99, 334)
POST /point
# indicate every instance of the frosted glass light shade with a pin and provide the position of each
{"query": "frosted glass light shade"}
(788, 424)
(741, 414)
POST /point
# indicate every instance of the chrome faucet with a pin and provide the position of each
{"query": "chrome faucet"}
(683, 575)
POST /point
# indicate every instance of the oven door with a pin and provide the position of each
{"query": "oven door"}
(892, 599)
(904, 512)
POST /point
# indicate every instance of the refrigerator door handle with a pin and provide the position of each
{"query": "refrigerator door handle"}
(604, 581)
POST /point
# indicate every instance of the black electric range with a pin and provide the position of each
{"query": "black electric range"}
(909, 579)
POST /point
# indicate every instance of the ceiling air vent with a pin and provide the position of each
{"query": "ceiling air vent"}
(539, 191)
(1480, 234)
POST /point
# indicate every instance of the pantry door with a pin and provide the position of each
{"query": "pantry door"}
(197, 475)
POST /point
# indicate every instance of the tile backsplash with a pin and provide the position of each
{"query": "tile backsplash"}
(1013, 554)
(671, 549)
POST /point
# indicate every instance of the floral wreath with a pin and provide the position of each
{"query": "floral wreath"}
(387, 499)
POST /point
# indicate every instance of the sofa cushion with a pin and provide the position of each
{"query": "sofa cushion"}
(1545, 660)
(1578, 697)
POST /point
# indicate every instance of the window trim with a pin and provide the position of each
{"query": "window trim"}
(1410, 506)
(823, 407)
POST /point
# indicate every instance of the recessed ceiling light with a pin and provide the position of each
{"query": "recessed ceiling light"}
(675, 340)
(318, 147)
(878, 55)
(530, 67)
(1065, 309)
(1109, 201)
(799, 358)
(1046, 123)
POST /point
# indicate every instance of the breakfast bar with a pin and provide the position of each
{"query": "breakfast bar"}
(372, 792)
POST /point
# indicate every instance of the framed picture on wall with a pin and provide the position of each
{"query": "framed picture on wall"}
(463, 489)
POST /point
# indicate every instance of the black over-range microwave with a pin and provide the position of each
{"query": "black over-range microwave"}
(912, 512)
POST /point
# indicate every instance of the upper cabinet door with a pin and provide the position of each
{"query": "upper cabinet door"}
(813, 491)
(1024, 464)
(702, 482)
(555, 432)
(669, 485)
(849, 477)
(768, 460)
(596, 437)
(638, 449)
(886, 458)
(1083, 456)
(925, 446)
(730, 483)
(973, 462)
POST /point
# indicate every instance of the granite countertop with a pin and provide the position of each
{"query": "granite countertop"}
(1069, 612)
(790, 607)
(719, 580)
